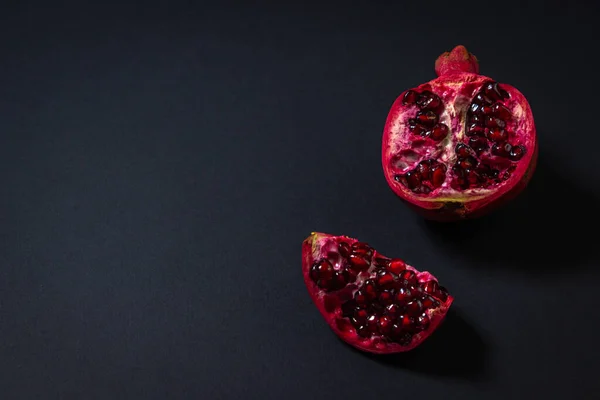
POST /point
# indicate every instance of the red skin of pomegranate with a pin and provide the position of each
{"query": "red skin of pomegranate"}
(457, 84)
(316, 246)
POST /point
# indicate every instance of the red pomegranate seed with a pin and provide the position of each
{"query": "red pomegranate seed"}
(407, 323)
(413, 179)
(475, 120)
(409, 277)
(494, 122)
(372, 321)
(423, 322)
(442, 293)
(478, 143)
(370, 289)
(430, 287)
(363, 331)
(385, 279)
(396, 266)
(385, 325)
(429, 101)
(501, 111)
(501, 149)
(486, 110)
(467, 162)
(424, 169)
(497, 135)
(322, 270)
(381, 262)
(482, 99)
(358, 262)
(360, 316)
(439, 132)
(472, 176)
(430, 302)
(475, 130)
(361, 298)
(362, 249)
(410, 97)
(427, 118)
(344, 249)
(438, 175)
(418, 129)
(414, 307)
(392, 310)
(351, 273)
(403, 296)
(462, 150)
(493, 91)
(516, 153)
(386, 297)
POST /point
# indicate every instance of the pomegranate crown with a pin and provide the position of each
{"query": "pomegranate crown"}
(457, 61)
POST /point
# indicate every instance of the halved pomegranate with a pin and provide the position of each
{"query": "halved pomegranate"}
(459, 145)
(374, 303)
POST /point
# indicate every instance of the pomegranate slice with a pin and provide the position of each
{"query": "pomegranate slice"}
(459, 145)
(374, 303)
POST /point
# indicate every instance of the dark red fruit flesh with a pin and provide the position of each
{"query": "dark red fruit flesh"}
(388, 307)
(459, 145)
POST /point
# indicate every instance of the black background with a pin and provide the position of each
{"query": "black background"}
(161, 165)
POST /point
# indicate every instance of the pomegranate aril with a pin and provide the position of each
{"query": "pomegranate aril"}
(413, 179)
(424, 169)
(409, 277)
(381, 262)
(351, 273)
(410, 97)
(372, 321)
(501, 149)
(501, 111)
(462, 150)
(362, 249)
(476, 120)
(414, 307)
(384, 325)
(407, 323)
(439, 132)
(472, 176)
(423, 322)
(396, 266)
(430, 302)
(363, 331)
(478, 143)
(358, 262)
(370, 289)
(427, 118)
(497, 135)
(430, 287)
(467, 162)
(475, 130)
(422, 190)
(438, 176)
(429, 101)
(360, 316)
(385, 279)
(516, 153)
(392, 310)
(403, 296)
(494, 122)
(386, 297)
(338, 281)
(418, 129)
(442, 293)
(495, 92)
(482, 99)
(361, 298)
(474, 108)
(344, 249)
(322, 270)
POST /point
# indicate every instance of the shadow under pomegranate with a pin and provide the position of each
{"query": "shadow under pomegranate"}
(541, 230)
(455, 350)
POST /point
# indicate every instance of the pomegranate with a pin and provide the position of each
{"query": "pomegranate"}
(461, 144)
(377, 304)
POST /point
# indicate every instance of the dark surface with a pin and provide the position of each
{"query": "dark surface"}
(161, 166)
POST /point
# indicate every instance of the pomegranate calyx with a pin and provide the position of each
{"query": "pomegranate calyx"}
(459, 60)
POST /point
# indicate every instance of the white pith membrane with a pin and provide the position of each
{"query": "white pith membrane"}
(329, 302)
(403, 150)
